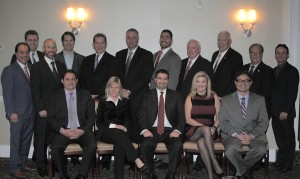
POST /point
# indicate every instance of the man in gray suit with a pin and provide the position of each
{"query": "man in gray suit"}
(244, 120)
(68, 56)
(166, 59)
(19, 109)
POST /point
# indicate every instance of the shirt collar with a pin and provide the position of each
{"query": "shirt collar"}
(194, 58)
(164, 51)
(48, 60)
(21, 64)
(110, 99)
(67, 92)
(133, 51)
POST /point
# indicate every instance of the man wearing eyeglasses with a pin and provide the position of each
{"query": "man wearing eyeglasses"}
(243, 121)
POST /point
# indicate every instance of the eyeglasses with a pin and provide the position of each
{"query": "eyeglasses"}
(247, 82)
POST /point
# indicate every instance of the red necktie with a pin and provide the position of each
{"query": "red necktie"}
(26, 72)
(157, 58)
(161, 114)
(187, 68)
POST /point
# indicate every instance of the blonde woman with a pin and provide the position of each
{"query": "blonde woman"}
(114, 123)
(201, 111)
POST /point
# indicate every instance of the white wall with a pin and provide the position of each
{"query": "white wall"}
(114, 17)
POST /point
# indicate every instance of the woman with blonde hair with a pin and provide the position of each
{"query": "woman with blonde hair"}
(201, 111)
(114, 122)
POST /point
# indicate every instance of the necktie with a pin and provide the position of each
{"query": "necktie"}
(217, 62)
(251, 70)
(54, 71)
(187, 68)
(157, 58)
(161, 114)
(96, 62)
(72, 112)
(33, 59)
(243, 107)
(128, 61)
(26, 72)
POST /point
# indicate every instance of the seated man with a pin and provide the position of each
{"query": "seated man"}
(243, 121)
(161, 119)
(71, 118)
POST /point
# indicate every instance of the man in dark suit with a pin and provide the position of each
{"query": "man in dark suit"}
(226, 63)
(190, 66)
(19, 109)
(45, 78)
(161, 119)
(284, 96)
(97, 68)
(166, 59)
(243, 121)
(261, 74)
(68, 56)
(72, 116)
(32, 39)
(135, 70)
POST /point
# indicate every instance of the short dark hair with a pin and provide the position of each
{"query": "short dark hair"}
(99, 35)
(283, 46)
(132, 30)
(261, 48)
(69, 71)
(167, 31)
(67, 33)
(242, 73)
(21, 43)
(163, 71)
(30, 32)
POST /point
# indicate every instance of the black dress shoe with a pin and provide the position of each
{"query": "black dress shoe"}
(143, 168)
(275, 165)
(170, 176)
(42, 172)
(75, 160)
(151, 176)
(221, 175)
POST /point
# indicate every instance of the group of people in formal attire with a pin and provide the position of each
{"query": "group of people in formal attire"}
(146, 99)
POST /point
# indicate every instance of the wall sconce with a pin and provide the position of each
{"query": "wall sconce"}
(250, 17)
(76, 19)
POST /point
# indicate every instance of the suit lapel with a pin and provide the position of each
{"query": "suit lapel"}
(236, 105)
(75, 61)
(224, 59)
(164, 57)
(21, 71)
(154, 103)
(79, 105)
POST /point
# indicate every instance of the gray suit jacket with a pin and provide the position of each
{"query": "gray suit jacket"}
(16, 91)
(231, 120)
(170, 62)
(78, 59)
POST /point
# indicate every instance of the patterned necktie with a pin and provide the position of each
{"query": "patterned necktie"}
(157, 59)
(72, 112)
(33, 59)
(54, 71)
(128, 61)
(243, 107)
(187, 68)
(96, 62)
(161, 114)
(26, 72)
(217, 62)
(251, 70)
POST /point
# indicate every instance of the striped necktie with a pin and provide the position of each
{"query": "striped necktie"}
(243, 107)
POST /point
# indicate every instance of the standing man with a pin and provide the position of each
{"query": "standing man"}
(97, 68)
(45, 78)
(32, 39)
(135, 70)
(244, 120)
(68, 56)
(71, 119)
(261, 74)
(166, 59)
(226, 63)
(19, 109)
(284, 96)
(190, 66)
(161, 119)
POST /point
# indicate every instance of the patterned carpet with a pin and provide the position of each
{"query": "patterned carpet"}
(108, 174)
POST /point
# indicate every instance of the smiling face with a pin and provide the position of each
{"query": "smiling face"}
(165, 40)
(114, 90)
(68, 43)
(69, 81)
(161, 81)
(132, 39)
(224, 41)
(255, 55)
(49, 48)
(99, 45)
(23, 54)
(193, 49)
(243, 84)
(32, 41)
(201, 85)
(281, 55)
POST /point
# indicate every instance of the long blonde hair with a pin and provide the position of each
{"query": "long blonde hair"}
(113, 80)
(194, 87)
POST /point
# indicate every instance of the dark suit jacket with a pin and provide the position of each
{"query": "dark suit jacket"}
(173, 107)
(201, 64)
(285, 90)
(139, 72)
(39, 53)
(95, 81)
(223, 82)
(262, 82)
(43, 82)
(58, 110)
(108, 113)
(16, 91)
(77, 61)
